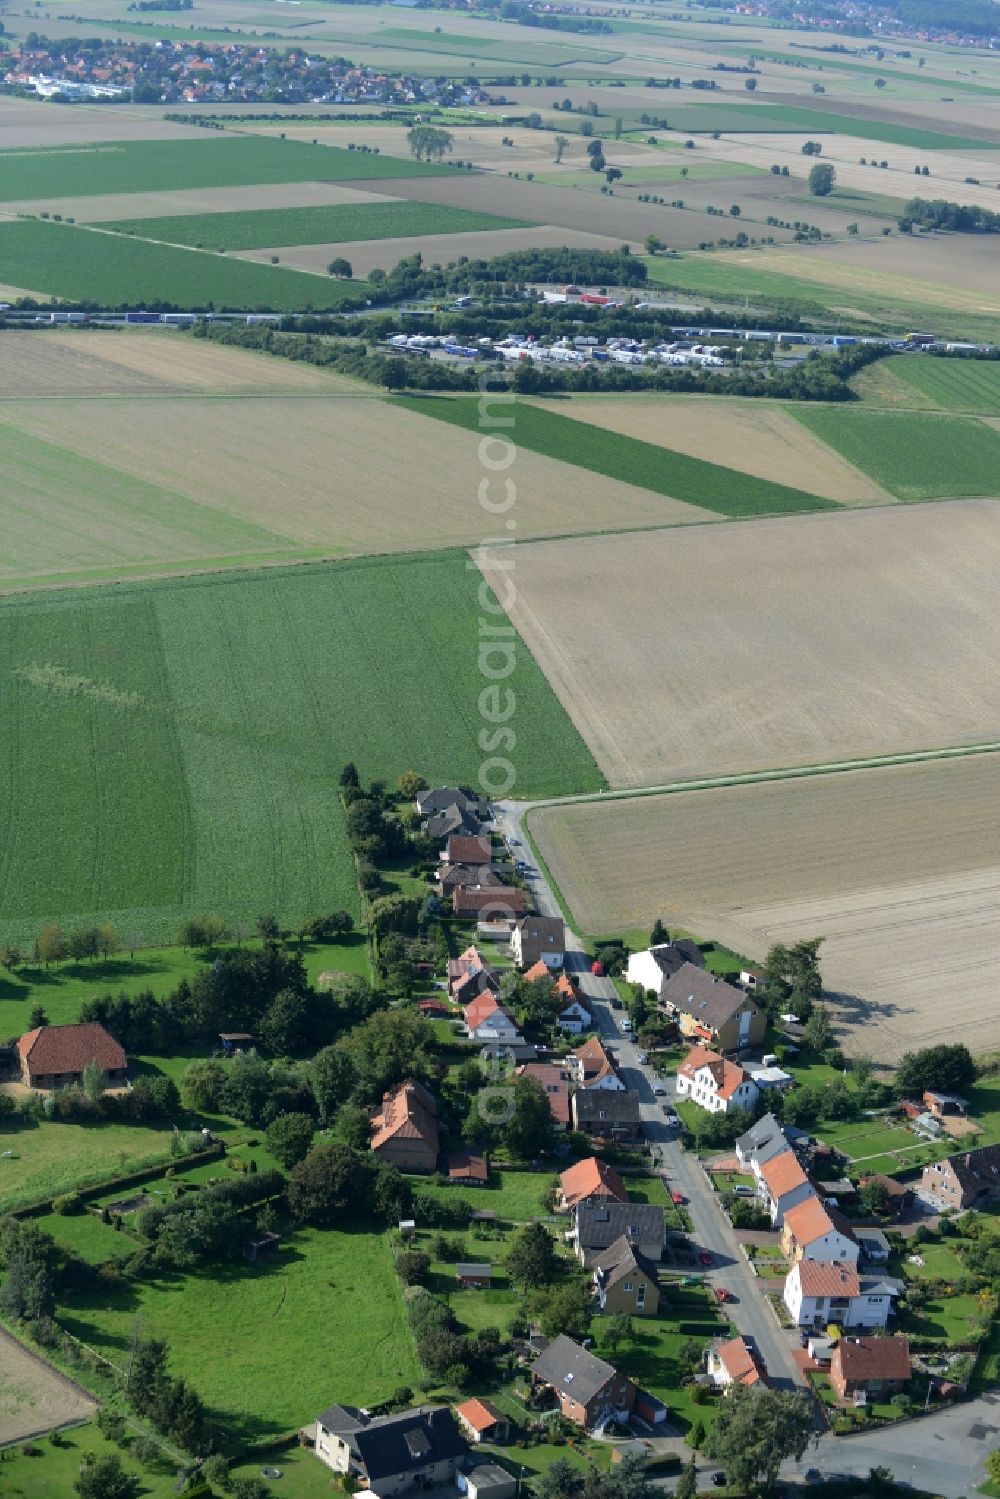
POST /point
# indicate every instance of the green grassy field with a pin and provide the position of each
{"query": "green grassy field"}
(174, 747)
(742, 118)
(160, 166)
(646, 464)
(312, 226)
(515, 1196)
(953, 384)
(914, 455)
(49, 1472)
(267, 1346)
(55, 1157)
(86, 265)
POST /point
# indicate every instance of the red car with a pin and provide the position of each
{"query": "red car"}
(722, 1295)
(678, 1199)
(706, 1258)
(597, 969)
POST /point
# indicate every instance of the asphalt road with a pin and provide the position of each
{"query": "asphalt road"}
(944, 1453)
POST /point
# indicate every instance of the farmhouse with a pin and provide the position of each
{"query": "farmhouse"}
(714, 1084)
(655, 965)
(706, 1008)
(812, 1231)
(538, 937)
(598, 1225)
(554, 1081)
(817, 1293)
(390, 1454)
(482, 1422)
(782, 1184)
(487, 900)
(586, 1389)
(735, 1361)
(869, 1366)
(625, 1281)
(405, 1128)
(55, 1056)
(964, 1179)
(606, 1114)
(590, 1180)
(594, 1067)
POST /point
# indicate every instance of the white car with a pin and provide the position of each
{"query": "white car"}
(642, 1057)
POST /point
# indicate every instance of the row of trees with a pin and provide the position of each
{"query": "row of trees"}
(937, 213)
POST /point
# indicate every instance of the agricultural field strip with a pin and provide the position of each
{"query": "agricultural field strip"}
(85, 263)
(952, 384)
(714, 685)
(205, 721)
(656, 468)
(914, 455)
(900, 867)
(219, 161)
(303, 226)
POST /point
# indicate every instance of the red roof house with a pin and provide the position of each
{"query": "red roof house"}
(54, 1056)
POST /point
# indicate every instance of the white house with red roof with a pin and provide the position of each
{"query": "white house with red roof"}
(736, 1361)
(487, 1020)
(818, 1292)
(715, 1084)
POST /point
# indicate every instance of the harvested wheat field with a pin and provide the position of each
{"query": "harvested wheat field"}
(108, 207)
(755, 437)
(787, 641)
(34, 1397)
(898, 870)
(87, 362)
(29, 122)
(367, 254)
(348, 473)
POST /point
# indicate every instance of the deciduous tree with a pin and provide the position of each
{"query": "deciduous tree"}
(755, 1430)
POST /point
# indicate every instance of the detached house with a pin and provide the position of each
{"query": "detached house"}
(487, 902)
(625, 1281)
(762, 1142)
(962, 1180)
(782, 1184)
(736, 1361)
(655, 965)
(714, 1084)
(390, 1454)
(869, 1366)
(461, 849)
(606, 1114)
(539, 937)
(598, 1225)
(405, 1128)
(706, 1008)
(590, 1180)
(818, 1292)
(469, 974)
(487, 1020)
(594, 1067)
(812, 1231)
(554, 1081)
(56, 1056)
(586, 1389)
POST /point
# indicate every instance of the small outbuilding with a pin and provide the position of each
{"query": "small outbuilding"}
(475, 1277)
(486, 1481)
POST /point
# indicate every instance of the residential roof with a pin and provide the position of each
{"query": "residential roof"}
(480, 1414)
(474, 981)
(706, 998)
(763, 1140)
(599, 1224)
(863, 1359)
(827, 1278)
(726, 1076)
(742, 1362)
(465, 875)
(474, 1271)
(539, 970)
(407, 1113)
(546, 931)
(810, 1220)
(482, 1008)
(599, 1105)
(473, 899)
(59, 1049)
(782, 1173)
(439, 798)
(555, 1082)
(620, 1259)
(452, 820)
(468, 1167)
(387, 1445)
(595, 1062)
(572, 1370)
(670, 956)
(976, 1169)
(591, 1178)
(463, 849)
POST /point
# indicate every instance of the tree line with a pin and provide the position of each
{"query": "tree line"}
(938, 213)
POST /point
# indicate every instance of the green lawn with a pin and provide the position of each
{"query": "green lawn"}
(87, 265)
(196, 767)
(55, 1157)
(914, 455)
(160, 166)
(515, 1196)
(940, 1263)
(645, 464)
(269, 1346)
(257, 230)
(87, 1236)
(51, 1471)
(651, 1355)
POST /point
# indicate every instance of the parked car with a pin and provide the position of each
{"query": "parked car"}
(659, 1089)
(723, 1296)
(719, 1479)
(742, 1191)
(706, 1257)
(642, 1057)
(678, 1199)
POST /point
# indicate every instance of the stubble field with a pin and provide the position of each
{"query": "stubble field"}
(779, 642)
(898, 869)
(757, 437)
(33, 1397)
